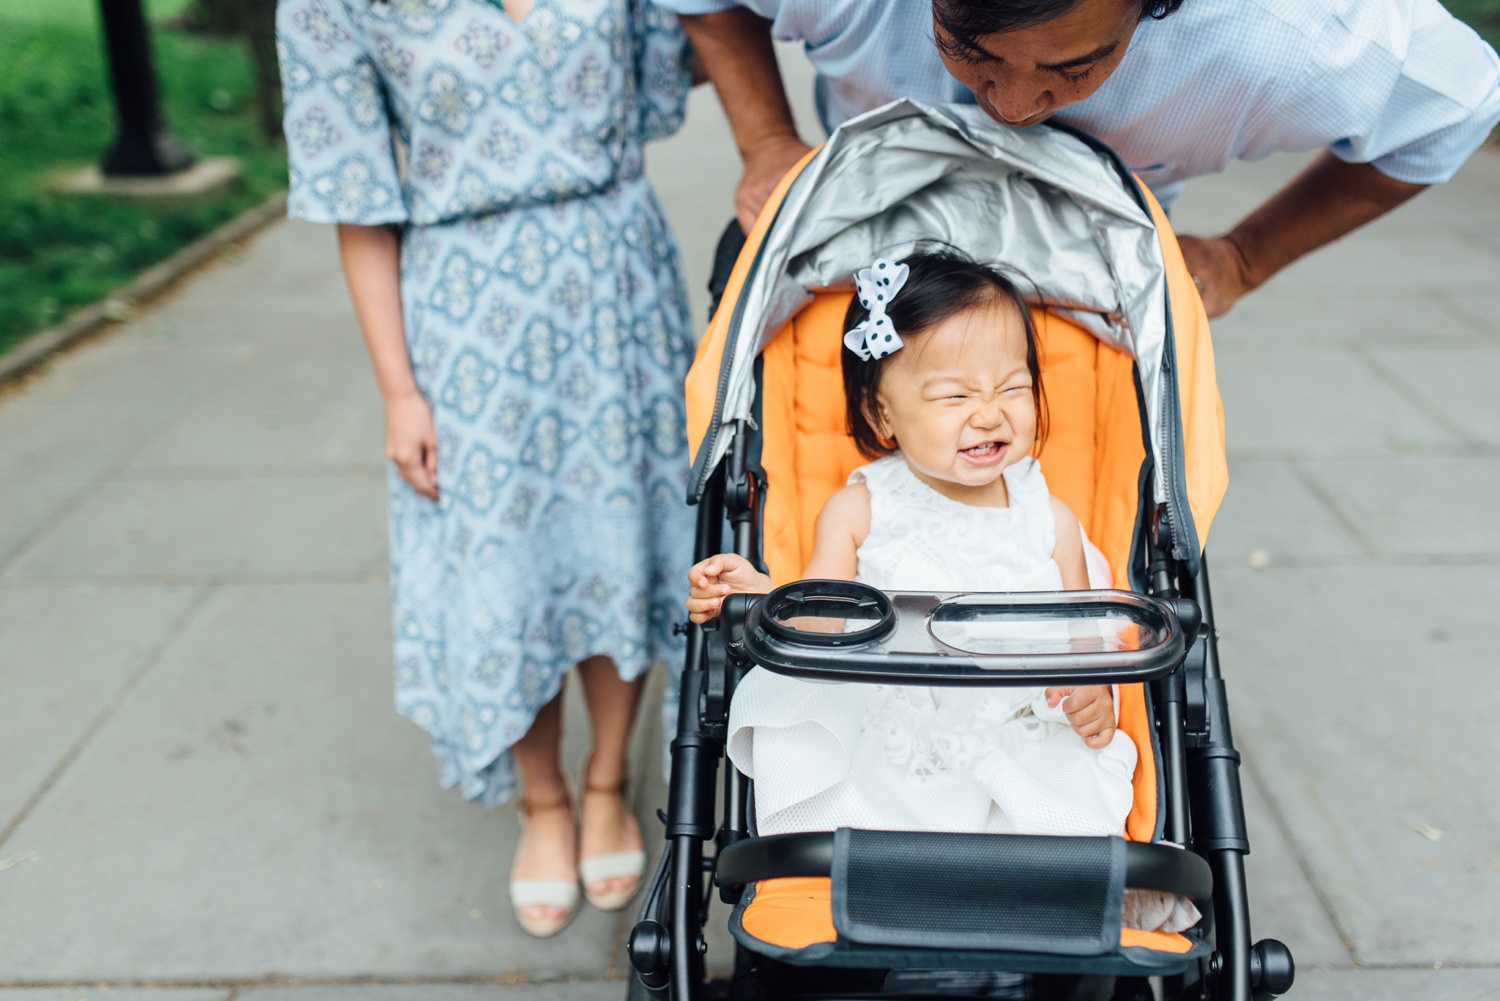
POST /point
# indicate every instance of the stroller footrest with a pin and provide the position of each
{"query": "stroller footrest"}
(1060, 895)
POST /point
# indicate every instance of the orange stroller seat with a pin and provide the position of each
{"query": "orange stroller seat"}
(1092, 459)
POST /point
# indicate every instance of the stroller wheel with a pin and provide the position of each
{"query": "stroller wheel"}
(635, 990)
(745, 983)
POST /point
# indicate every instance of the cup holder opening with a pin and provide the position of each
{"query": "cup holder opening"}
(827, 613)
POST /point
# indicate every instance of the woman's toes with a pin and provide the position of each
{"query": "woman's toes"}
(612, 885)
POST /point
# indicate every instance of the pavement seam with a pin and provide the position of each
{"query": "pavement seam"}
(1377, 559)
(148, 661)
(70, 506)
(1279, 561)
(1408, 393)
(149, 285)
(59, 514)
(237, 984)
(1316, 296)
(189, 474)
(1335, 510)
(270, 578)
(112, 472)
(1309, 873)
(1338, 454)
(1454, 312)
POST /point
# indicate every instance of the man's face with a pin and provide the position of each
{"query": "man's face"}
(1022, 77)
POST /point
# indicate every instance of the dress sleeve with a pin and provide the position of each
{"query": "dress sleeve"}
(340, 159)
(663, 61)
(698, 6)
(1404, 86)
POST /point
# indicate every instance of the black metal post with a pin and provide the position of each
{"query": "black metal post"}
(144, 147)
(1219, 831)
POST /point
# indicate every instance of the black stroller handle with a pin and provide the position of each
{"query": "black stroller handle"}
(833, 630)
(1148, 866)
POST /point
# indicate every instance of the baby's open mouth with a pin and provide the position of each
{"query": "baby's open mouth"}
(985, 452)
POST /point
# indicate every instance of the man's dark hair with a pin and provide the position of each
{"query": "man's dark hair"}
(965, 22)
(942, 283)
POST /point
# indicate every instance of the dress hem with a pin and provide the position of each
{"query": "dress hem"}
(471, 780)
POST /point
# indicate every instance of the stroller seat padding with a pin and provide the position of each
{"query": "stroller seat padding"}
(786, 918)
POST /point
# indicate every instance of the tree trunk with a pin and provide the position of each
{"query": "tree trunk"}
(258, 28)
(254, 21)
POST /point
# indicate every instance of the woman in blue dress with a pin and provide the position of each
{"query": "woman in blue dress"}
(519, 292)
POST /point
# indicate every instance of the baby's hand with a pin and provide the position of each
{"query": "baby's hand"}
(717, 577)
(1091, 710)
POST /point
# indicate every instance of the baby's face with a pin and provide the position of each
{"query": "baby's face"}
(957, 400)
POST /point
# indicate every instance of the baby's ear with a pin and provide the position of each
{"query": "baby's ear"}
(875, 412)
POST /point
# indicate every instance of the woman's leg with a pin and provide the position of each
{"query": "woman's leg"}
(547, 848)
(608, 824)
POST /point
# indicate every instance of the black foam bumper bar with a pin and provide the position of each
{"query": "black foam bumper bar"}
(779, 856)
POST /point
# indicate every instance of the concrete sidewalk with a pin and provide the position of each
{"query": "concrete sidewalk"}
(207, 795)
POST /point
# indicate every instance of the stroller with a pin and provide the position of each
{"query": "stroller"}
(1135, 448)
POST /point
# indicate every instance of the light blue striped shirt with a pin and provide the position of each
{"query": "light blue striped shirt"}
(1400, 84)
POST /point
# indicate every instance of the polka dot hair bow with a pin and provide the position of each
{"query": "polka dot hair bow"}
(875, 336)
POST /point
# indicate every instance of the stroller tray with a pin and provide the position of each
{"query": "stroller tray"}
(848, 631)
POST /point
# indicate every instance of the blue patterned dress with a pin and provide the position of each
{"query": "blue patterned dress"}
(547, 325)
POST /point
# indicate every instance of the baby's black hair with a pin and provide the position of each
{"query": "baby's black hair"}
(941, 283)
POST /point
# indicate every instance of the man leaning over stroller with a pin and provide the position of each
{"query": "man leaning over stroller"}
(1396, 93)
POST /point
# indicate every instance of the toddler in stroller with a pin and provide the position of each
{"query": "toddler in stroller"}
(954, 501)
(1134, 447)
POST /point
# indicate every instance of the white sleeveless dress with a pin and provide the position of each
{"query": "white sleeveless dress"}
(825, 755)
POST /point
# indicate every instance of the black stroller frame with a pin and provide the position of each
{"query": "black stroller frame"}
(1200, 801)
(1203, 809)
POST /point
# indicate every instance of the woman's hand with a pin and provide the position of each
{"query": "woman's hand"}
(717, 577)
(1091, 711)
(411, 441)
(372, 267)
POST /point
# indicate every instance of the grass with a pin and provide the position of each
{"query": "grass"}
(59, 252)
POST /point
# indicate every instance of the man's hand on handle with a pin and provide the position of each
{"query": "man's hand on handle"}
(765, 166)
(734, 47)
(1329, 199)
(1219, 270)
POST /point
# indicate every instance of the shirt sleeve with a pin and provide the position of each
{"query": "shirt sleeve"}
(340, 159)
(1399, 84)
(699, 6)
(663, 75)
